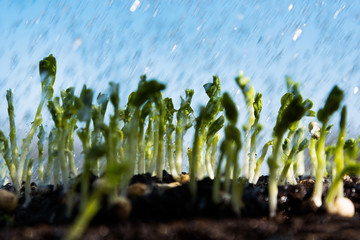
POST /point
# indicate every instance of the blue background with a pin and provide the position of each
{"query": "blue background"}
(182, 44)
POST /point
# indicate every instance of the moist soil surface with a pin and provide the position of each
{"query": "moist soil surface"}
(166, 211)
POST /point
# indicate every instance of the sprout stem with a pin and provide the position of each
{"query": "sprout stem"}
(320, 170)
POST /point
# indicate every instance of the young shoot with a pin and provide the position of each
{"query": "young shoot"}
(233, 146)
(145, 111)
(183, 123)
(41, 137)
(195, 152)
(211, 141)
(12, 134)
(259, 162)
(332, 104)
(146, 90)
(314, 130)
(97, 115)
(292, 109)
(255, 129)
(339, 152)
(213, 107)
(169, 115)
(249, 93)
(84, 106)
(5, 152)
(298, 144)
(334, 203)
(47, 69)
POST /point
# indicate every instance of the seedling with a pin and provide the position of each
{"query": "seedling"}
(292, 109)
(249, 93)
(331, 105)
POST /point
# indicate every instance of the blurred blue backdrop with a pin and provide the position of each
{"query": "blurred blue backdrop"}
(182, 44)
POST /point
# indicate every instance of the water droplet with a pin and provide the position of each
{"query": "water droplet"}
(291, 6)
(135, 6)
(297, 34)
(356, 90)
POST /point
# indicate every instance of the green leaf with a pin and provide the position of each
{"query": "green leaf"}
(304, 144)
(257, 105)
(145, 111)
(231, 112)
(114, 94)
(286, 144)
(169, 109)
(331, 105)
(84, 104)
(213, 89)
(47, 66)
(343, 118)
(292, 109)
(145, 91)
(232, 133)
(246, 88)
(351, 148)
(215, 127)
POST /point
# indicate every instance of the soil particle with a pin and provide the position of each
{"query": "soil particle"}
(172, 213)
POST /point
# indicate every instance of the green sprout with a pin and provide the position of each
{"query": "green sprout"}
(213, 107)
(255, 129)
(206, 117)
(64, 118)
(249, 93)
(331, 105)
(83, 105)
(233, 136)
(145, 111)
(211, 142)
(97, 115)
(298, 145)
(196, 152)
(169, 115)
(51, 154)
(47, 69)
(183, 123)
(260, 160)
(351, 149)
(13, 146)
(292, 109)
(230, 149)
(314, 130)
(147, 90)
(41, 137)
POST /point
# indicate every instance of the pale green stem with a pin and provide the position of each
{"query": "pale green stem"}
(62, 159)
(217, 179)
(209, 168)
(26, 143)
(28, 182)
(214, 147)
(141, 155)
(84, 218)
(195, 158)
(179, 145)
(252, 162)
(273, 167)
(286, 168)
(339, 161)
(312, 149)
(321, 157)
(170, 154)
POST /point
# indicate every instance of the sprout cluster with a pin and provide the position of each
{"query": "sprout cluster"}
(146, 135)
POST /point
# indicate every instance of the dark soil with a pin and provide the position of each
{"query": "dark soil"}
(172, 213)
